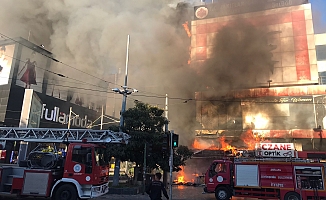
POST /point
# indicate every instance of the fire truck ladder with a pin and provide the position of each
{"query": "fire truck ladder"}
(53, 135)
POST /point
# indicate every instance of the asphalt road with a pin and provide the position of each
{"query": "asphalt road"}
(178, 193)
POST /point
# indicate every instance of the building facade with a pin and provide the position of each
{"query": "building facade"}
(284, 103)
(24, 65)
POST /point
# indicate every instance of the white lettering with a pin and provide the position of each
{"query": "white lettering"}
(269, 177)
(63, 118)
(277, 184)
(285, 177)
(275, 170)
(47, 116)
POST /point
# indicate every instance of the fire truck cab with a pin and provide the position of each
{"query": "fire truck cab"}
(81, 171)
(266, 178)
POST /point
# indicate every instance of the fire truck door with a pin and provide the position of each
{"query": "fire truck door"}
(81, 165)
(219, 173)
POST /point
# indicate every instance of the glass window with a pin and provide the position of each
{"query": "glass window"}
(100, 157)
(220, 167)
(80, 154)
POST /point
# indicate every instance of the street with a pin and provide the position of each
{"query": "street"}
(180, 192)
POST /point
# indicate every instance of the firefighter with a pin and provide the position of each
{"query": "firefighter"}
(156, 187)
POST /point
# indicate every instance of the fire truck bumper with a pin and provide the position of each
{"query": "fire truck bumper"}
(100, 190)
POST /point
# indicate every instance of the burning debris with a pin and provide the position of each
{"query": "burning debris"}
(188, 179)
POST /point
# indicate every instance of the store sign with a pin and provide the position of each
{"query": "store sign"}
(280, 150)
(56, 116)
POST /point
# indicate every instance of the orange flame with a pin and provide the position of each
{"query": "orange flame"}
(181, 179)
(248, 138)
(181, 176)
(186, 27)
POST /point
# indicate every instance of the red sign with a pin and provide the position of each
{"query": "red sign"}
(275, 149)
(277, 146)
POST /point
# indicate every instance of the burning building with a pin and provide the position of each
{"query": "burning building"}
(259, 68)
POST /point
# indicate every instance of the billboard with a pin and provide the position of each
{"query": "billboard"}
(6, 55)
(31, 110)
(289, 38)
(31, 69)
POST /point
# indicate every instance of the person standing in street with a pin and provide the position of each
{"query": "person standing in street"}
(156, 187)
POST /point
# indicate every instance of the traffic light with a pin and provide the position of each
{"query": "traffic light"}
(165, 143)
(175, 140)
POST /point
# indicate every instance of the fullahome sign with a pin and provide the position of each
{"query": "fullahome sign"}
(280, 150)
(56, 116)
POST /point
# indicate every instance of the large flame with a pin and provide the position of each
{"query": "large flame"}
(248, 139)
(258, 121)
(181, 176)
(186, 27)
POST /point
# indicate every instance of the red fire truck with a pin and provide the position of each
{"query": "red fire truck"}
(290, 178)
(80, 171)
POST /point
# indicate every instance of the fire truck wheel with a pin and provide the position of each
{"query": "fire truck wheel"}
(222, 193)
(66, 192)
(292, 196)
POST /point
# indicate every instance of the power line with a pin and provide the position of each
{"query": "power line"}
(248, 100)
(149, 96)
(58, 74)
(58, 61)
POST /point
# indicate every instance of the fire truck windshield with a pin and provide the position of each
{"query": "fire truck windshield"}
(100, 158)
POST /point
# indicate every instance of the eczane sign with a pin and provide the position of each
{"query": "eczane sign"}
(279, 150)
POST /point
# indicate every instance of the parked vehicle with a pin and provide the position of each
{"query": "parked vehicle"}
(80, 171)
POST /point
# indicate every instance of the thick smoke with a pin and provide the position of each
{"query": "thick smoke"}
(92, 36)
(241, 57)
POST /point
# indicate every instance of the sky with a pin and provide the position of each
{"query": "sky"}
(319, 15)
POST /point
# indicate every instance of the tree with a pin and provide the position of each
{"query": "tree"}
(144, 123)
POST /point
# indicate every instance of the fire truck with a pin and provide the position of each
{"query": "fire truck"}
(284, 178)
(80, 171)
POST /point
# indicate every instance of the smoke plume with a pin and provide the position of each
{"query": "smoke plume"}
(92, 36)
(241, 57)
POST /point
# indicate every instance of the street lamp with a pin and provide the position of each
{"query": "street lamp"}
(124, 91)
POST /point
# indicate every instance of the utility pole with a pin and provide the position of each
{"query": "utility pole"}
(144, 167)
(171, 163)
(125, 91)
(171, 147)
